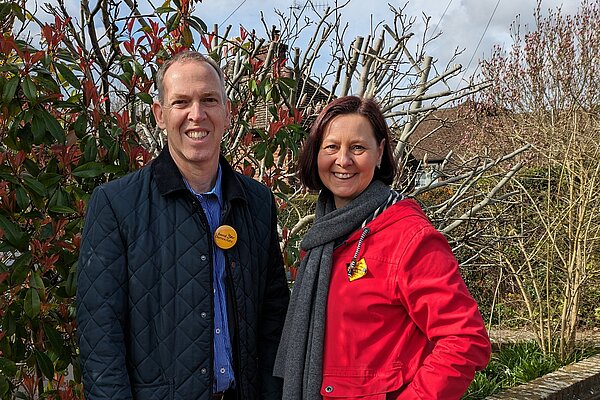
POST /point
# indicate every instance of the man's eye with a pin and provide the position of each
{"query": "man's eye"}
(211, 100)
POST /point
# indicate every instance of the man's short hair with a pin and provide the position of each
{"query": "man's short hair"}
(183, 57)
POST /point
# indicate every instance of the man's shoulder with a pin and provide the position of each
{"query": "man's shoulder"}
(254, 190)
(252, 184)
(126, 185)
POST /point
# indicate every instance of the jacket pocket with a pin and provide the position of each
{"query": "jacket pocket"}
(153, 391)
(368, 384)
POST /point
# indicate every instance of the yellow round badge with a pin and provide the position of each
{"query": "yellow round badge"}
(225, 237)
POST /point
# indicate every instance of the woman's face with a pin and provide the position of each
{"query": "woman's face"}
(348, 156)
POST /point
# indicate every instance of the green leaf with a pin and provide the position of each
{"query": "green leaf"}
(8, 367)
(89, 170)
(283, 187)
(266, 90)
(34, 185)
(268, 158)
(54, 337)
(260, 150)
(126, 77)
(50, 179)
(55, 128)
(127, 68)
(38, 128)
(253, 86)
(163, 10)
(4, 386)
(35, 281)
(13, 233)
(62, 210)
(9, 324)
(145, 97)
(71, 282)
(46, 81)
(91, 149)
(27, 115)
(59, 198)
(29, 89)
(31, 167)
(137, 69)
(10, 89)
(275, 94)
(18, 11)
(44, 364)
(80, 125)
(197, 24)
(32, 303)
(113, 151)
(173, 22)
(5, 11)
(22, 198)
(68, 75)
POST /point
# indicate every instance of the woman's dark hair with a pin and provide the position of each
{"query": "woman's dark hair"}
(308, 170)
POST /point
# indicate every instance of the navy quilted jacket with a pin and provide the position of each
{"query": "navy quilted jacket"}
(145, 296)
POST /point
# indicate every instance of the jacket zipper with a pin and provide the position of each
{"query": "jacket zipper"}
(350, 267)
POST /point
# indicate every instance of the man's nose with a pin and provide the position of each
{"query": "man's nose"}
(197, 112)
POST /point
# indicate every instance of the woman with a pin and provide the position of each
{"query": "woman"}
(379, 309)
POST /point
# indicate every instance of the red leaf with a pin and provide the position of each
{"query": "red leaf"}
(37, 57)
(129, 46)
(130, 23)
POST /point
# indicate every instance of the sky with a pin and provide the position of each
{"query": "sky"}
(473, 25)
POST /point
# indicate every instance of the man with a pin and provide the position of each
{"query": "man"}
(181, 287)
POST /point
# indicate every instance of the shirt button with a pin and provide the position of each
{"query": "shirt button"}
(203, 315)
(203, 257)
(222, 370)
(329, 389)
(203, 371)
(218, 331)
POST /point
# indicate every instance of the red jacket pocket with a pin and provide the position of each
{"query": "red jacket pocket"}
(368, 384)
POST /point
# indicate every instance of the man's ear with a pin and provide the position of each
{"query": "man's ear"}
(158, 114)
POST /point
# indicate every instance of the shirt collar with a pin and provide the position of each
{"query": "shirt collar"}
(216, 190)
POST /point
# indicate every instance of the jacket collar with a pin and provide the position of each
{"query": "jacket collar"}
(402, 209)
(169, 179)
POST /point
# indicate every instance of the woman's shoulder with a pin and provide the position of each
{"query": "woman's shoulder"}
(404, 213)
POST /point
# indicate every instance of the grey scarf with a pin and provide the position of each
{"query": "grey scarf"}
(300, 356)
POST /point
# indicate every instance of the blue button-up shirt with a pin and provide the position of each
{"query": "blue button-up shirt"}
(223, 361)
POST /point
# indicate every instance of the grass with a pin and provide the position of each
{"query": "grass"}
(515, 364)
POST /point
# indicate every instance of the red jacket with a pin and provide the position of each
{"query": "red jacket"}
(409, 326)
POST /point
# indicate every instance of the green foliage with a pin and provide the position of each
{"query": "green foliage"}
(515, 364)
(290, 213)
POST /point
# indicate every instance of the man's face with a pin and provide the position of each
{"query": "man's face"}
(194, 114)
